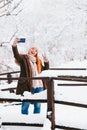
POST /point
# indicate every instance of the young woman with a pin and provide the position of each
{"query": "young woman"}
(30, 66)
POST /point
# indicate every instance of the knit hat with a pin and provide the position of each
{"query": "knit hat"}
(34, 45)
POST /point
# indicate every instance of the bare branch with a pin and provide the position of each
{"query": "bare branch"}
(13, 35)
(5, 4)
(17, 4)
(17, 12)
(8, 67)
(1, 44)
(15, 7)
(7, 13)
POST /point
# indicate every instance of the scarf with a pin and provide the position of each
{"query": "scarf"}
(34, 66)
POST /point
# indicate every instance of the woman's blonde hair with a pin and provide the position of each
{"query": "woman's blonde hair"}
(38, 61)
(39, 64)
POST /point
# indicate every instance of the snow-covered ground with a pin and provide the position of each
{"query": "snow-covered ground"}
(65, 115)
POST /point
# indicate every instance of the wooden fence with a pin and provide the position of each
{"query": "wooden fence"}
(49, 101)
(50, 95)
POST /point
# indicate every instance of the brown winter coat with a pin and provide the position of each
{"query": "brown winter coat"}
(25, 71)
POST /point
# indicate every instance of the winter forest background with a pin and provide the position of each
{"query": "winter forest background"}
(57, 27)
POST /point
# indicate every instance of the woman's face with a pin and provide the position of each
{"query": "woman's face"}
(33, 51)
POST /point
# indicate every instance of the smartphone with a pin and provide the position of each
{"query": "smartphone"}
(22, 40)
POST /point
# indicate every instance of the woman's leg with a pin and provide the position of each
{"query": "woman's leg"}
(24, 107)
(37, 106)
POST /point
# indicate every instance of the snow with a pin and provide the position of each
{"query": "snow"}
(6, 86)
(58, 28)
(75, 94)
(71, 116)
(56, 73)
(27, 95)
(65, 115)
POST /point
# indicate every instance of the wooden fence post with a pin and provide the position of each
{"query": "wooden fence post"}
(9, 76)
(50, 102)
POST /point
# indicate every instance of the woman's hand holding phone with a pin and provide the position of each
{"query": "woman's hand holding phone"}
(22, 40)
(18, 40)
(15, 41)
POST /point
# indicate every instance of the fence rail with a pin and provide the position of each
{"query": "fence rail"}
(50, 95)
(69, 84)
(13, 72)
(22, 124)
(71, 103)
(67, 127)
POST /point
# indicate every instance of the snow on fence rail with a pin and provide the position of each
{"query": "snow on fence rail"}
(13, 72)
(50, 96)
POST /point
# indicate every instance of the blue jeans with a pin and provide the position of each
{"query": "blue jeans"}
(37, 106)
